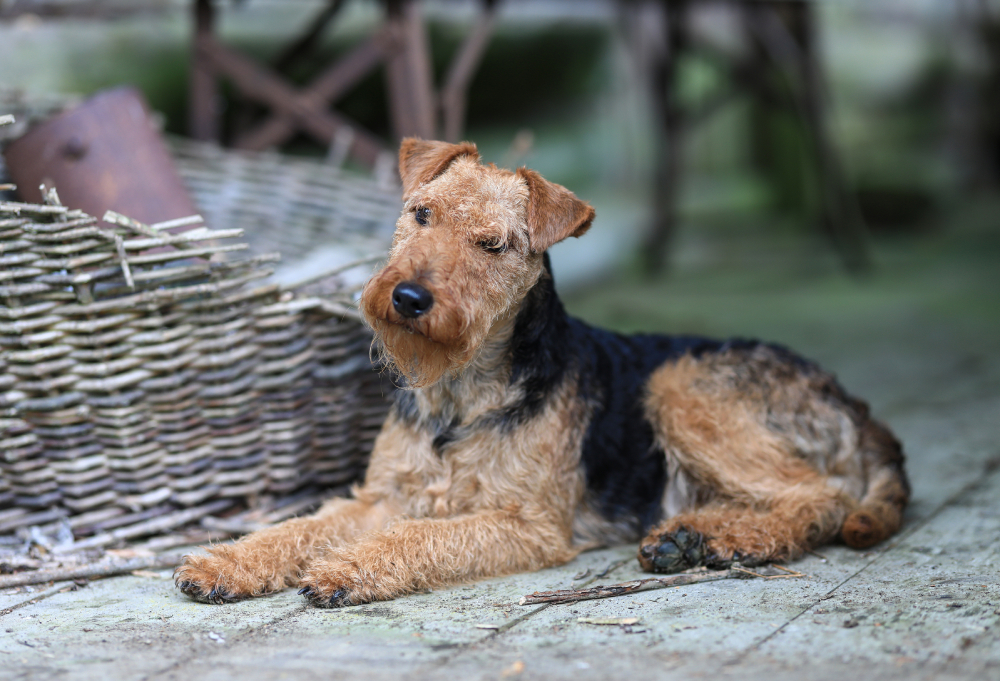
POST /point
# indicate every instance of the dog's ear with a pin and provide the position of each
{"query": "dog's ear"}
(421, 161)
(554, 212)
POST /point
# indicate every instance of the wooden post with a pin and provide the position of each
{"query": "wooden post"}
(306, 44)
(408, 71)
(453, 94)
(203, 114)
(668, 114)
(786, 31)
(844, 222)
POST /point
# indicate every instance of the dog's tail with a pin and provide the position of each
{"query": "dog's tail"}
(880, 512)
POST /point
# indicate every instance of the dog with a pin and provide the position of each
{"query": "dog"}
(523, 436)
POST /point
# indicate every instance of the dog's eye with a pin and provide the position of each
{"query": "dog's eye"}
(422, 215)
(494, 245)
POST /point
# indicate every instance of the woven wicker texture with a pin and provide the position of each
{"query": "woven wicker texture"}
(288, 204)
(150, 378)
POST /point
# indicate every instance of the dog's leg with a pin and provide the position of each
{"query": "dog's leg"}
(721, 534)
(413, 555)
(754, 499)
(272, 558)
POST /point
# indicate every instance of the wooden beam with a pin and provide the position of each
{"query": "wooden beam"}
(203, 113)
(307, 42)
(669, 115)
(408, 71)
(263, 85)
(325, 89)
(470, 54)
(787, 34)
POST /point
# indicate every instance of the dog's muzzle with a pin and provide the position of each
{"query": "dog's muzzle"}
(411, 300)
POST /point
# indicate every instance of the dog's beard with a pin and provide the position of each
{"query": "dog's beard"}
(426, 349)
(418, 359)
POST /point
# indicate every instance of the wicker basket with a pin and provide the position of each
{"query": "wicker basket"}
(149, 380)
(289, 204)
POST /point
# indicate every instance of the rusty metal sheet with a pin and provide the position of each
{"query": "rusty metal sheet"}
(105, 154)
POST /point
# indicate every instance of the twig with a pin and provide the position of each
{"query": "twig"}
(177, 222)
(611, 568)
(749, 572)
(334, 309)
(50, 197)
(792, 573)
(334, 271)
(120, 247)
(600, 575)
(17, 208)
(148, 527)
(140, 227)
(190, 538)
(609, 590)
(89, 571)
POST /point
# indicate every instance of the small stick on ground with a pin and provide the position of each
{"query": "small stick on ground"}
(610, 590)
(791, 573)
(102, 569)
(611, 568)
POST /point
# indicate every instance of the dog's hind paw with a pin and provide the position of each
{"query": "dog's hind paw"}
(334, 584)
(673, 551)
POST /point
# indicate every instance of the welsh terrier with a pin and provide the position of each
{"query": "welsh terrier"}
(523, 436)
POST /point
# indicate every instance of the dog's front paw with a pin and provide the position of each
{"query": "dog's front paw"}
(217, 578)
(673, 551)
(335, 584)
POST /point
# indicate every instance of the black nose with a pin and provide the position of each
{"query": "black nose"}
(411, 300)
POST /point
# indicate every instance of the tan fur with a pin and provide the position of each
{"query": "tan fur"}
(493, 506)
(272, 559)
(554, 213)
(770, 467)
(881, 511)
(421, 520)
(472, 289)
(765, 458)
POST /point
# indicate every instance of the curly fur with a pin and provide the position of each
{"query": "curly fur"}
(525, 436)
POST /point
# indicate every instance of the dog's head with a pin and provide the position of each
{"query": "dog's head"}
(467, 248)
